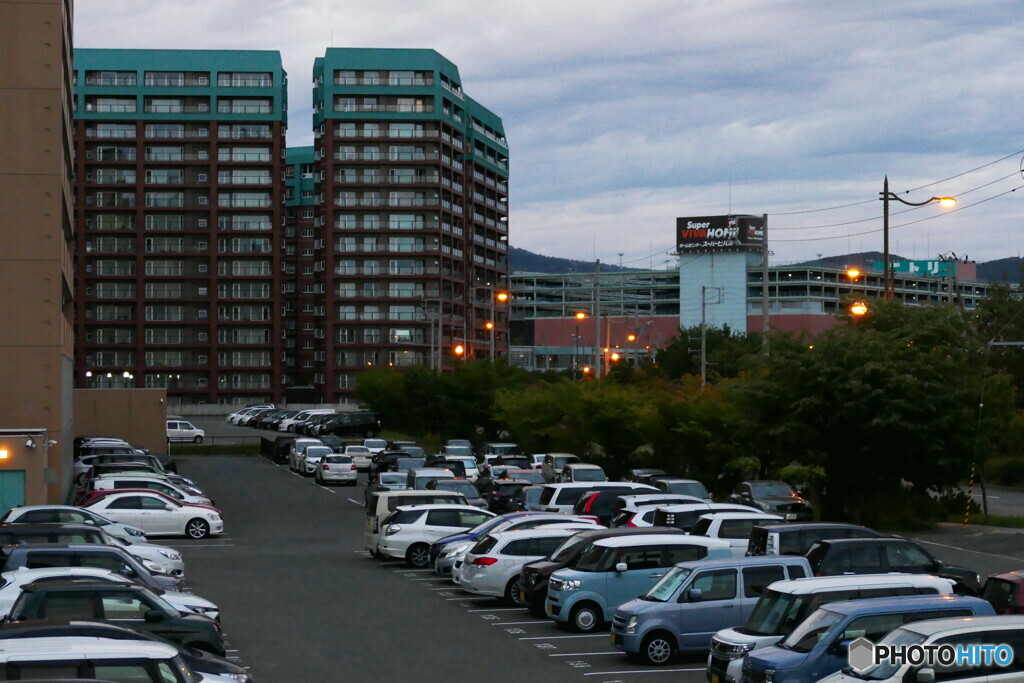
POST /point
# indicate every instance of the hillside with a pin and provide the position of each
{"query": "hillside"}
(523, 261)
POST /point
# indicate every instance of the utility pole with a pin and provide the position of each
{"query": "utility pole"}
(765, 323)
(703, 336)
(598, 359)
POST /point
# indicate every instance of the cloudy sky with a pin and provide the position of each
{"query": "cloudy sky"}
(623, 114)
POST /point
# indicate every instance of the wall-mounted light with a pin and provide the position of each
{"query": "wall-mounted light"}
(4, 454)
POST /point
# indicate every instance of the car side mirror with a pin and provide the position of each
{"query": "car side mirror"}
(840, 647)
(935, 565)
(168, 508)
(694, 595)
(926, 675)
(621, 567)
(154, 615)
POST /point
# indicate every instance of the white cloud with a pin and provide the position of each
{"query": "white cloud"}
(621, 116)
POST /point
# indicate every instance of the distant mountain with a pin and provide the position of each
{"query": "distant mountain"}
(523, 261)
(1002, 270)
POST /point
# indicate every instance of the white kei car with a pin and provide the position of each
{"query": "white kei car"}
(493, 565)
(14, 580)
(158, 515)
(408, 532)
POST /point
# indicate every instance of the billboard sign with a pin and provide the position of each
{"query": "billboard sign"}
(920, 268)
(719, 233)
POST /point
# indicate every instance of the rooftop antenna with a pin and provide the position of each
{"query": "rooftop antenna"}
(730, 196)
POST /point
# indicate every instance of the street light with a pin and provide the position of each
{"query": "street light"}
(885, 197)
(580, 315)
(859, 308)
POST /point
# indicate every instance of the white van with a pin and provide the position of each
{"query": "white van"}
(787, 603)
(380, 504)
(734, 527)
(88, 657)
(1005, 629)
(288, 424)
(562, 497)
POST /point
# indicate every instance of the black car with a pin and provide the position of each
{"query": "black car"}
(601, 504)
(313, 426)
(197, 660)
(354, 424)
(385, 461)
(126, 604)
(797, 539)
(506, 495)
(520, 462)
(776, 497)
(835, 557)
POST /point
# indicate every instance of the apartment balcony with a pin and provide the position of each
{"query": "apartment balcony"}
(347, 80)
(177, 108)
(385, 108)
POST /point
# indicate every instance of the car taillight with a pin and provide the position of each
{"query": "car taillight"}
(327, 467)
(484, 561)
(630, 522)
(590, 503)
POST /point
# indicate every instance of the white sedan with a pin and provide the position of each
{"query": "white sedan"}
(14, 580)
(158, 515)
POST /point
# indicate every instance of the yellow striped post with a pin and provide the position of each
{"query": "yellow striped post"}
(970, 491)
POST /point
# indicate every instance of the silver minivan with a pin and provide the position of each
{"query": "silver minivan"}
(694, 601)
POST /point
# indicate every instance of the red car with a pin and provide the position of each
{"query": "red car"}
(1005, 592)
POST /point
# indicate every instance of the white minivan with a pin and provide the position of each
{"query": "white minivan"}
(786, 604)
(77, 658)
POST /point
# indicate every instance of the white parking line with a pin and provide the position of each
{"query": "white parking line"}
(639, 671)
(464, 599)
(410, 570)
(501, 609)
(431, 578)
(326, 489)
(207, 545)
(517, 623)
(965, 550)
(587, 635)
(585, 654)
(356, 502)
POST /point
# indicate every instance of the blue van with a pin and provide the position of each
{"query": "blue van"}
(615, 570)
(694, 601)
(818, 647)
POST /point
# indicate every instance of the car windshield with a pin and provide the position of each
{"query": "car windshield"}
(357, 450)
(392, 478)
(776, 614)
(596, 558)
(467, 460)
(588, 474)
(458, 450)
(403, 464)
(375, 443)
(771, 489)
(415, 451)
(669, 584)
(563, 460)
(532, 495)
(809, 633)
(567, 549)
(532, 476)
(688, 488)
(900, 638)
(462, 486)
(459, 442)
(317, 451)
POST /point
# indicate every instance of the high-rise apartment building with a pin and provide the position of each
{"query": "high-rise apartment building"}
(179, 214)
(36, 267)
(299, 287)
(411, 234)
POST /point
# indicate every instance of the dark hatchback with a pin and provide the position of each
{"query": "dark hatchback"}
(775, 497)
(128, 605)
(533, 581)
(882, 555)
(601, 504)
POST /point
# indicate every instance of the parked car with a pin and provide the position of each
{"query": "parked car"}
(126, 604)
(212, 668)
(501, 496)
(70, 514)
(158, 515)
(418, 478)
(296, 449)
(579, 471)
(641, 474)
(601, 504)
(681, 486)
(384, 461)
(773, 496)
(463, 486)
(554, 463)
(355, 424)
(361, 456)
(563, 497)
(409, 531)
(954, 631)
(405, 464)
(517, 461)
(310, 459)
(820, 645)
(693, 601)
(524, 474)
(785, 604)
(334, 468)
(685, 515)
(143, 481)
(797, 539)
(1005, 592)
(733, 527)
(79, 658)
(289, 424)
(386, 481)
(15, 580)
(380, 505)
(615, 570)
(472, 472)
(881, 555)
(627, 506)
(314, 426)
(536, 460)
(43, 555)
(493, 565)
(183, 430)
(493, 449)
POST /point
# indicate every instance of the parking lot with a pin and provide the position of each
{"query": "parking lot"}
(303, 601)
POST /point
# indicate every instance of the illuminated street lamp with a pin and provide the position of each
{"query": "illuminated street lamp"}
(459, 350)
(886, 195)
(859, 308)
(580, 315)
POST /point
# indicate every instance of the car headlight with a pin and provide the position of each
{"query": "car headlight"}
(571, 584)
(456, 550)
(241, 678)
(631, 625)
(392, 529)
(169, 555)
(202, 610)
(765, 506)
(152, 566)
(212, 517)
(132, 531)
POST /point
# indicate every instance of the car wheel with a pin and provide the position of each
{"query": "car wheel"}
(197, 528)
(585, 618)
(418, 555)
(512, 592)
(316, 478)
(198, 439)
(657, 649)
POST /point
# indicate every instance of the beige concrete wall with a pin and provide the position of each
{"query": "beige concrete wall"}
(36, 344)
(136, 415)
